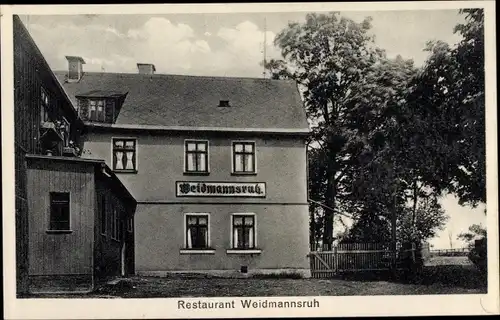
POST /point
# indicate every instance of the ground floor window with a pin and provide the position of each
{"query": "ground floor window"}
(59, 211)
(197, 231)
(243, 231)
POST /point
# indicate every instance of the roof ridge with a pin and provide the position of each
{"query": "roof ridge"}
(159, 75)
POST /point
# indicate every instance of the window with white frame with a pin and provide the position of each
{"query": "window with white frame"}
(243, 157)
(243, 229)
(124, 155)
(197, 231)
(196, 157)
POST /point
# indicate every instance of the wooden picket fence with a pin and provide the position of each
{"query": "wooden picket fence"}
(355, 257)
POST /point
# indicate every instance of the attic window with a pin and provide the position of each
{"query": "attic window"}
(224, 104)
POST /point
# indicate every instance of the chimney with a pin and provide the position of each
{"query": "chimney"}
(146, 68)
(75, 68)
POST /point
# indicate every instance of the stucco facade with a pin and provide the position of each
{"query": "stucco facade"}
(281, 216)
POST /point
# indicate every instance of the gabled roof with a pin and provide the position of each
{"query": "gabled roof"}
(193, 101)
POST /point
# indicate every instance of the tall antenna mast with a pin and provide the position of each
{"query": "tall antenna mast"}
(265, 45)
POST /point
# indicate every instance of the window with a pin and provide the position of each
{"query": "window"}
(224, 103)
(59, 211)
(196, 156)
(100, 110)
(103, 214)
(244, 157)
(124, 155)
(97, 110)
(115, 224)
(44, 106)
(92, 110)
(197, 231)
(243, 231)
(130, 223)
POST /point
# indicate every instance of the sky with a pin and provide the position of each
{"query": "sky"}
(230, 44)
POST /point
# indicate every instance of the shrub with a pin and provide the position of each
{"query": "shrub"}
(478, 254)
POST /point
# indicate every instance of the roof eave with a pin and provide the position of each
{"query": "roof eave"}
(278, 131)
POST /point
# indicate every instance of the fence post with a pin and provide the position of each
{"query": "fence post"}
(335, 260)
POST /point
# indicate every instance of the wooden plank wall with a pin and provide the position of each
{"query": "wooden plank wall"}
(61, 253)
(30, 73)
(107, 250)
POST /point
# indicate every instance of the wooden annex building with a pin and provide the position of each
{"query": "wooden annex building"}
(74, 217)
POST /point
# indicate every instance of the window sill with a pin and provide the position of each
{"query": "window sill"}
(124, 171)
(197, 251)
(59, 231)
(243, 173)
(193, 173)
(243, 251)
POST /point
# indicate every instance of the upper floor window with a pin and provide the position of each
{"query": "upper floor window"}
(125, 155)
(59, 211)
(244, 157)
(196, 159)
(97, 110)
(44, 105)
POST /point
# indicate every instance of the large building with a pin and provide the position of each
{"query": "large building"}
(74, 217)
(217, 166)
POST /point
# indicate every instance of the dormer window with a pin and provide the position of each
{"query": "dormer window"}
(97, 110)
(100, 105)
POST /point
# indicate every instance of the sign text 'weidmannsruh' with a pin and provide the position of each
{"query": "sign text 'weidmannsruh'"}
(220, 189)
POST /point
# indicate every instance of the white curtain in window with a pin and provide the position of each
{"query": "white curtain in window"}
(250, 238)
(206, 237)
(119, 160)
(201, 162)
(130, 164)
(189, 239)
(190, 162)
(248, 162)
(235, 238)
(238, 165)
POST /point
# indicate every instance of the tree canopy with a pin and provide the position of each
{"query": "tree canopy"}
(387, 137)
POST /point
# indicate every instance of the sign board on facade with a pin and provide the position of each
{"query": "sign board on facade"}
(220, 189)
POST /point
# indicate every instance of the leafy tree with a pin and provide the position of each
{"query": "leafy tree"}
(476, 231)
(328, 56)
(447, 102)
